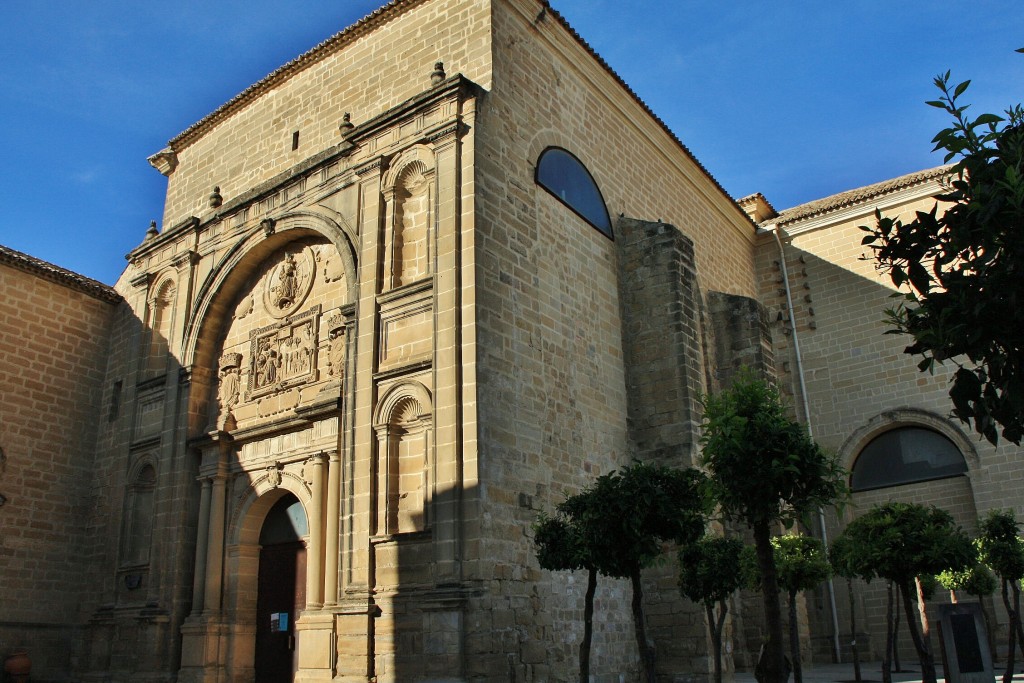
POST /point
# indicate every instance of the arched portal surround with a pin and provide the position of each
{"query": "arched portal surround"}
(231, 275)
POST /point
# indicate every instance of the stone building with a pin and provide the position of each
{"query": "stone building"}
(861, 396)
(408, 290)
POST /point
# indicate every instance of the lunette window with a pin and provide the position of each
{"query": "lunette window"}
(905, 456)
(565, 177)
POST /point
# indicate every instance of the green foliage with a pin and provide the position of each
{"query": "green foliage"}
(900, 541)
(999, 546)
(707, 569)
(801, 561)
(618, 524)
(764, 467)
(976, 579)
(559, 544)
(848, 560)
(962, 272)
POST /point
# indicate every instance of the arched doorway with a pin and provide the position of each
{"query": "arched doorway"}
(281, 589)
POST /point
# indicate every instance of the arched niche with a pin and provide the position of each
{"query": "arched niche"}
(403, 425)
(160, 308)
(138, 516)
(409, 190)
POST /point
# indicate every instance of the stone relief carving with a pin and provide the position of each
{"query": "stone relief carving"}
(244, 307)
(333, 269)
(274, 475)
(336, 346)
(289, 281)
(283, 355)
(227, 392)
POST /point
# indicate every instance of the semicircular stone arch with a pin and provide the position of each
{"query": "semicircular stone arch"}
(260, 327)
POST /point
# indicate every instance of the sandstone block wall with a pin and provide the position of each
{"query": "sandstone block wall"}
(552, 364)
(376, 70)
(860, 382)
(53, 356)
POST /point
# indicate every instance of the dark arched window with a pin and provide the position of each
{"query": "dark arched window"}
(562, 174)
(904, 456)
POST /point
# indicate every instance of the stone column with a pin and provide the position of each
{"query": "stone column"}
(202, 538)
(357, 561)
(315, 552)
(215, 543)
(333, 518)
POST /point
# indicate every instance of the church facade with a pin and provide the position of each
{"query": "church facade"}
(408, 291)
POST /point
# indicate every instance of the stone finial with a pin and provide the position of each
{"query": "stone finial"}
(152, 232)
(215, 198)
(346, 126)
(437, 75)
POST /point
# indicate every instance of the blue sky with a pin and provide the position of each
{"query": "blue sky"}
(793, 99)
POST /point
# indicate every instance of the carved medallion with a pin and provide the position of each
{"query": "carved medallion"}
(289, 281)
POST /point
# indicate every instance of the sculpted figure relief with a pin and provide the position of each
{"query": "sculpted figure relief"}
(228, 391)
(267, 362)
(289, 282)
(336, 354)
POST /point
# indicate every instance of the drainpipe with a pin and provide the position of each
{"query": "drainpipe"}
(810, 432)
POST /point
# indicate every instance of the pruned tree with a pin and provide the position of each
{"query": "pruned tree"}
(764, 470)
(802, 565)
(962, 269)
(618, 526)
(560, 547)
(903, 542)
(1002, 550)
(708, 575)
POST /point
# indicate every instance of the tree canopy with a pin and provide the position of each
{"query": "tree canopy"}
(764, 468)
(962, 268)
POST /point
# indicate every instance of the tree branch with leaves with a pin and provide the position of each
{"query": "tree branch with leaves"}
(960, 268)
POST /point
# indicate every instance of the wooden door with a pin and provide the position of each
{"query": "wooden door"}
(281, 596)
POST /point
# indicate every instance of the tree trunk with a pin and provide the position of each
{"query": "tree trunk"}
(1012, 614)
(772, 666)
(588, 626)
(895, 645)
(715, 629)
(647, 655)
(924, 655)
(922, 609)
(853, 631)
(794, 640)
(890, 634)
(1016, 611)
